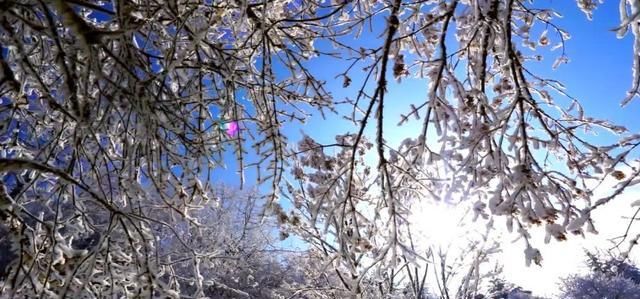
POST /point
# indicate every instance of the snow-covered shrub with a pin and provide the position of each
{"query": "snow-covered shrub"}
(609, 278)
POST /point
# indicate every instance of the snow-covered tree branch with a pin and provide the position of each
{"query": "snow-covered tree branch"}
(117, 116)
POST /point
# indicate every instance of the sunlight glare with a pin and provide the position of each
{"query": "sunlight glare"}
(439, 224)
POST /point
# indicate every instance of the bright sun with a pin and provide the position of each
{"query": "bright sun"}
(439, 224)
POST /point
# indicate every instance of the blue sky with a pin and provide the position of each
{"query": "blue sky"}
(598, 74)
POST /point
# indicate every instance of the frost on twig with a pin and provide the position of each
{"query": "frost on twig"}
(112, 133)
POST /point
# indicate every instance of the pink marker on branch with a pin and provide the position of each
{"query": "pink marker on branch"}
(232, 128)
